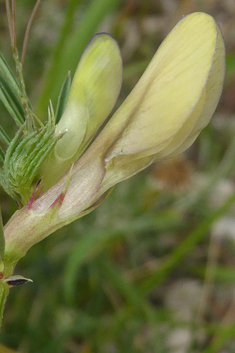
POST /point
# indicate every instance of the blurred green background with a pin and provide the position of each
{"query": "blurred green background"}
(152, 270)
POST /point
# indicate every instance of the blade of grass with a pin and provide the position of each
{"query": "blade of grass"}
(86, 248)
(54, 66)
(230, 63)
(184, 248)
(222, 337)
(222, 171)
(134, 298)
(223, 274)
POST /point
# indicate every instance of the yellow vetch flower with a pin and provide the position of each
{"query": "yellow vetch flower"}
(172, 102)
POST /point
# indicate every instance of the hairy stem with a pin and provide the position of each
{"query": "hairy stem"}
(4, 290)
(9, 266)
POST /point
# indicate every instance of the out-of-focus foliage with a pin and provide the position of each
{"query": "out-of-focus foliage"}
(153, 268)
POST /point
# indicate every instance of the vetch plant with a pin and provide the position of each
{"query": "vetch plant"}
(60, 170)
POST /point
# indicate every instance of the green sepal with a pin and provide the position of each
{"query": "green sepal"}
(23, 159)
(62, 99)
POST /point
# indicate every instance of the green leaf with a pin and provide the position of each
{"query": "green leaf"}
(7, 74)
(2, 238)
(11, 103)
(10, 92)
(62, 99)
(4, 137)
(2, 155)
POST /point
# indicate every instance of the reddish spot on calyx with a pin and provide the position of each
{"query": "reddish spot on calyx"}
(58, 201)
(37, 190)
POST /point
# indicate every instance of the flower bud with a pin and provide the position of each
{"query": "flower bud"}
(94, 91)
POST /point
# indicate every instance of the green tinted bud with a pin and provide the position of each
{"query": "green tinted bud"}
(94, 91)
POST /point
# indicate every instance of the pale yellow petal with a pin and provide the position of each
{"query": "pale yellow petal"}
(170, 89)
